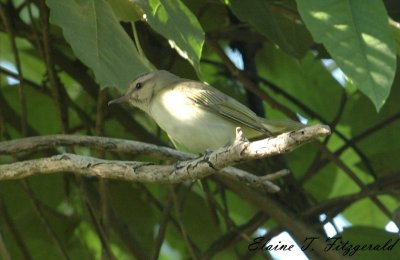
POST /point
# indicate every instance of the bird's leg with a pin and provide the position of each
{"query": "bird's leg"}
(240, 138)
(206, 152)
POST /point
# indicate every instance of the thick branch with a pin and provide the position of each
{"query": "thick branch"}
(241, 150)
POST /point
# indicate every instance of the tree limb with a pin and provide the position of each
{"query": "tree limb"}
(190, 169)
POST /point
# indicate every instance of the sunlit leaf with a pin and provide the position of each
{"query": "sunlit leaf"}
(173, 20)
(357, 35)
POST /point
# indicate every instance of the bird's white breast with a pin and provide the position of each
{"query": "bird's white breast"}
(189, 124)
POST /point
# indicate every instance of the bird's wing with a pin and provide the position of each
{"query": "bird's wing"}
(217, 102)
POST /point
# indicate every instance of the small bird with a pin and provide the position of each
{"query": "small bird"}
(197, 117)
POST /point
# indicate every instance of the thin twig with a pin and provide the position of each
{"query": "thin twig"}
(13, 229)
(106, 247)
(163, 227)
(21, 90)
(158, 205)
(4, 252)
(235, 235)
(180, 222)
(62, 110)
(39, 211)
(103, 187)
(388, 185)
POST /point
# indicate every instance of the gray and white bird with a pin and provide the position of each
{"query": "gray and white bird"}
(197, 117)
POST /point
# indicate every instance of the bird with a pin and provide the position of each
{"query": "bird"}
(196, 116)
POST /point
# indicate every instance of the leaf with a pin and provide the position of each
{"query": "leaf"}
(140, 224)
(361, 235)
(366, 212)
(97, 39)
(321, 94)
(42, 116)
(195, 206)
(173, 20)
(357, 35)
(32, 67)
(125, 10)
(380, 141)
(395, 26)
(258, 14)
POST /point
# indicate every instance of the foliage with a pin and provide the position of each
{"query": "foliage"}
(60, 62)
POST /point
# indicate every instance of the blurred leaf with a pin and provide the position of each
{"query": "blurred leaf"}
(30, 224)
(96, 37)
(321, 94)
(173, 20)
(212, 16)
(138, 215)
(194, 205)
(395, 26)
(32, 67)
(38, 106)
(322, 184)
(363, 235)
(125, 10)
(358, 211)
(260, 15)
(357, 35)
(240, 210)
(382, 142)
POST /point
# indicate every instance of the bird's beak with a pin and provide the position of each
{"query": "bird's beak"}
(122, 99)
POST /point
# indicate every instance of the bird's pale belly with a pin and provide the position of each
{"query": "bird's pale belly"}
(191, 126)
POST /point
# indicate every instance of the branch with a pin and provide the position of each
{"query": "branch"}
(38, 143)
(54, 80)
(241, 150)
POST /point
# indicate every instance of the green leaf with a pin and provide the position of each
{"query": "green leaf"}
(361, 235)
(395, 26)
(321, 94)
(173, 20)
(42, 116)
(366, 212)
(258, 13)
(379, 144)
(97, 39)
(125, 10)
(32, 67)
(357, 35)
(139, 224)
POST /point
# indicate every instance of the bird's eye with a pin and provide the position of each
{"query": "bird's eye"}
(138, 86)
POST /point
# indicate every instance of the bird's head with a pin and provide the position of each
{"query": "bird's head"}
(142, 90)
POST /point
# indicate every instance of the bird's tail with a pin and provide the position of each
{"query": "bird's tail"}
(281, 126)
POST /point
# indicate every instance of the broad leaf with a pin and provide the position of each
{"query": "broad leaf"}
(363, 235)
(298, 79)
(173, 20)
(125, 10)
(357, 35)
(96, 37)
(396, 35)
(272, 25)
